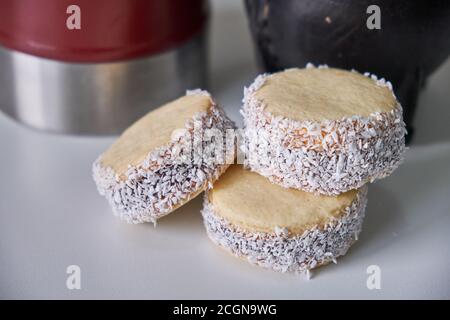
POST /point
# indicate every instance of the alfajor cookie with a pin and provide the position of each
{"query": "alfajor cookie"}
(164, 159)
(322, 130)
(278, 228)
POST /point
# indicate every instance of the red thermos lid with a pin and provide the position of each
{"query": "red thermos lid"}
(110, 30)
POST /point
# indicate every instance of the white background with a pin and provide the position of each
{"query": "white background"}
(51, 215)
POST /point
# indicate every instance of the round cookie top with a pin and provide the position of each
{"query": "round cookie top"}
(251, 202)
(152, 131)
(319, 94)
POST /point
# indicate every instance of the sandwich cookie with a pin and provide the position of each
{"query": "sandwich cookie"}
(278, 228)
(160, 162)
(322, 130)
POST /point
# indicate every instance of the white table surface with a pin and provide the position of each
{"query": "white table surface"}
(51, 215)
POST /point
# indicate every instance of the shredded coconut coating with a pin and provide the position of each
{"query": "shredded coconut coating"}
(282, 252)
(328, 157)
(164, 180)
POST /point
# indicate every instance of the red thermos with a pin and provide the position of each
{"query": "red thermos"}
(83, 66)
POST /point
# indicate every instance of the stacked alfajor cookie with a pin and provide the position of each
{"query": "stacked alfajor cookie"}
(278, 228)
(159, 163)
(314, 138)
